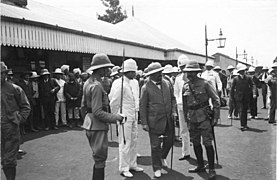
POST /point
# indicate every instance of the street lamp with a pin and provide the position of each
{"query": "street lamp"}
(252, 60)
(221, 41)
(244, 56)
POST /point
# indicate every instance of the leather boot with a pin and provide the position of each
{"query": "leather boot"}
(10, 172)
(210, 156)
(98, 173)
(200, 162)
(212, 174)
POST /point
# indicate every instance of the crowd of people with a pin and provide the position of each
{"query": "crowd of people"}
(159, 98)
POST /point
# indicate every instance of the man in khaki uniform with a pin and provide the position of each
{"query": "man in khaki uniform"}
(196, 95)
(96, 120)
(15, 109)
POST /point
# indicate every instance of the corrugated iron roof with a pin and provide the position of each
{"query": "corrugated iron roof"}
(132, 29)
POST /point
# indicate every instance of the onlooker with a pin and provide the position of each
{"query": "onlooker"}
(15, 109)
(48, 89)
(253, 101)
(72, 91)
(232, 102)
(37, 118)
(272, 83)
(11, 78)
(230, 70)
(240, 92)
(60, 105)
(263, 76)
(65, 70)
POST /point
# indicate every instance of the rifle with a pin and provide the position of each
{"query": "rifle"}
(121, 99)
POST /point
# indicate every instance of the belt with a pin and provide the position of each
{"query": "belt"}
(199, 106)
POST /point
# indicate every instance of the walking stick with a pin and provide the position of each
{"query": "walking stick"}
(216, 155)
(111, 132)
(173, 136)
(121, 99)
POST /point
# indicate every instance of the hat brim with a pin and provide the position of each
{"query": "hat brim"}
(242, 69)
(6, 71)
(45, 73)
(34, 76)
(58, 73)
(100, 66)
(167, 72)
(114, 73)
(192, 70)
(154, 71)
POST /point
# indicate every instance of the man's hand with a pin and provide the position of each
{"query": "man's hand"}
(214, 122)
(145, 127)
(123, 119)
(254, 96)
(52, 91)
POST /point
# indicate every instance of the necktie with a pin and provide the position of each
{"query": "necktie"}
(265, 75)
(158, 83)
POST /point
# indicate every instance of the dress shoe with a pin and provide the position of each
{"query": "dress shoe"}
(198, 169)
(236, 117)
(20, 151)
(164, 163)
(271, 122)
(212, 174)
(55, 127)
(47, 129)
(157, 174)
(266, 119)
(34, 130)
(137, 169)
(263, 108)
(184, 157)
(229, 117)
(127, 174)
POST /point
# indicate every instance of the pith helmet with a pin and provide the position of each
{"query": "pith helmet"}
(265, 68)
(274, 65)
(230, 67)
(217, 68)
(154, 68)
(34, 75)
(168, 69)
(182, 60)
(44, 72)
(129, 65)
(58, 71)
(241, 67)
(251, 70)
(192, 66)
(210, 63)
(100, 60)
(115, 70)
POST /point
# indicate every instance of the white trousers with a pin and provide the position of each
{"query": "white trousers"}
(60, 106)
(184, 132)
(128, 152)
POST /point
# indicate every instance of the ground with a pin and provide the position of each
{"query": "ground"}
(65, 154)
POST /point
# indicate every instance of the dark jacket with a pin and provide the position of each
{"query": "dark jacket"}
(72, 90)
(242, 88)
(46, 87)
(28, 89)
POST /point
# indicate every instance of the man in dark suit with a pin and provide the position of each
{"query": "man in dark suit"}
(158, 113)
(241, 90)
(48, 89)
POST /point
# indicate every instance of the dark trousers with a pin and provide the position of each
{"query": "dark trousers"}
(272, 112)
(253, 106)
(160, 147)
(37, 119)
(264, 93)
(48, 109)
(233, 107)
(243, 107)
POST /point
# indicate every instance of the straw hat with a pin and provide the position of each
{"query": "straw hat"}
(34, 75)
(168, 69)
(115, 70)
(44, 72)
(58, 71)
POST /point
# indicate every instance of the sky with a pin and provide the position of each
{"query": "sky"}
(249, 25)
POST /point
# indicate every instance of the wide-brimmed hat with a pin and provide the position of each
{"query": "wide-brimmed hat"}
(100, 60)
(210, 63)
(129, 65)
(168, 69)
(274, 65)
(115, 70)
(270, 70)
(58, 71)
(175, 69)
(44, 72)
(241, 67)
(235, 72)
(34, 75)
(217, 68)
(251, 70)
(192, 66)
(139, 73)
(230, 67)
(4, 68)
(153, 68)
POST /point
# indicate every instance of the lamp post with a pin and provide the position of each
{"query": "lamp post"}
(252, 60)
(221, 41)
(244, 56)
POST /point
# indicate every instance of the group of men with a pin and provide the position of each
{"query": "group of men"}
(157, 100)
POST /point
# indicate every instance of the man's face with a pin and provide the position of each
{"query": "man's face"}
(3, 77)
(26, 77)
(157, 76)
(209, 67)
(192, 75)
(45, 77)
(241, 72)
(104, 72)
(130, 74)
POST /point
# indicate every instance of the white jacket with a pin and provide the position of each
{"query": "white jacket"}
(130, 97)
(178, 87)
(213, 77)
